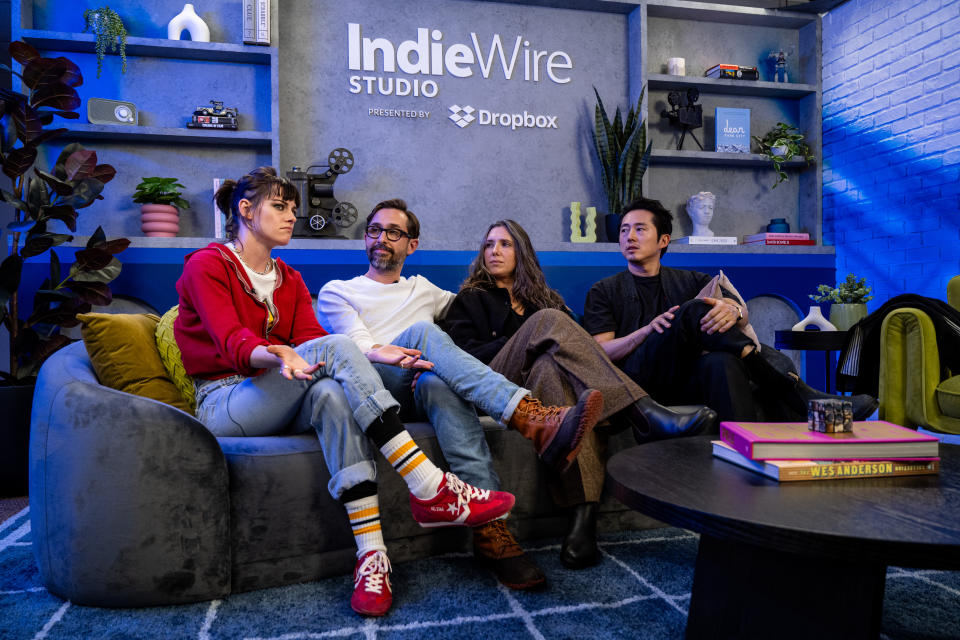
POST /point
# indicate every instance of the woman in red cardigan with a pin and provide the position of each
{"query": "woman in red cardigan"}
(262, 365)
(508, 317)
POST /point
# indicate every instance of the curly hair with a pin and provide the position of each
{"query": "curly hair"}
(529, 283)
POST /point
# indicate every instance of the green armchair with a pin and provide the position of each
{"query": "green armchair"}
(915, 390)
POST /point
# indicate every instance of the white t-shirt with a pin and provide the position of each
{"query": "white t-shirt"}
(370, 312)
(263, 284)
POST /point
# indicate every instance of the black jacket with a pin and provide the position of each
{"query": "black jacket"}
(475, 321)
(613, 304)
(858, 368)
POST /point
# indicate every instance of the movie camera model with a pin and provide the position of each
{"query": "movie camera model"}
(320, 214)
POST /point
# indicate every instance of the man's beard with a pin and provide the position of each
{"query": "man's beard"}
(382, 262)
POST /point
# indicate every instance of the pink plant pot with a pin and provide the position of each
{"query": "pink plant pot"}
(159, 220)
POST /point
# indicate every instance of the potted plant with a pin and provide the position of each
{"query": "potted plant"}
(849, 299)
(41, 201)
(160, 199)
(782, 143)
(624, 155)
(109, 31)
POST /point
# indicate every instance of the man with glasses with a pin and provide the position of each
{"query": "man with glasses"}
(439, 382)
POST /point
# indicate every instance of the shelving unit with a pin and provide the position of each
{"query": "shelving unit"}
(707, 34)
(166, 80)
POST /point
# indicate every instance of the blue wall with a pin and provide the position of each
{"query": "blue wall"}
(891, 143)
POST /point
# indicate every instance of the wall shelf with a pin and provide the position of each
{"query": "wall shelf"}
(153, 47)
(758, 88)
(127, 133)
(714, 158)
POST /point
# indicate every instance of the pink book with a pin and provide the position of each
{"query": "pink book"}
(874, 440)
(769, 235)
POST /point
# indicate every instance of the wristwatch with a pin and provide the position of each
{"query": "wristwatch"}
(739, 310)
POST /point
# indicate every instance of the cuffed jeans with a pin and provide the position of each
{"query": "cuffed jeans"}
(446, 395)
(339, 403)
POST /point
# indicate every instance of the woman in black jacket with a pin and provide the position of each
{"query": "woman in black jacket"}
(506, 316)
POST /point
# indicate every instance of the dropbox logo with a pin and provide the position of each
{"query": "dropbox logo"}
(462, 116)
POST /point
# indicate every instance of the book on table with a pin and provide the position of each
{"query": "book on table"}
(797, 470)
(873, 440)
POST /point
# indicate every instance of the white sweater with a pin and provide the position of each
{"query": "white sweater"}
(369, 312)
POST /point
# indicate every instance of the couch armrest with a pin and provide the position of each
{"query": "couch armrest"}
(909, 369)
(128, 496)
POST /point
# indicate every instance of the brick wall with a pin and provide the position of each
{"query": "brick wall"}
(891, 143)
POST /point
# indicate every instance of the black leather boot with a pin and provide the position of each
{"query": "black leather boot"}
(795, 393)
(653, 421)
(579, 548)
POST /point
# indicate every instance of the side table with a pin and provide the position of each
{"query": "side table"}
(825, 341)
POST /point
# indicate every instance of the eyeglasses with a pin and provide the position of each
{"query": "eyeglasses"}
(374, 231)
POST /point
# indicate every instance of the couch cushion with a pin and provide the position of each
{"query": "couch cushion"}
(123, 351)
(172, 361)
(948, 397)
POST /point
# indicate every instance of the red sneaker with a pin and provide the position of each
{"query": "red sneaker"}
(372, 594)
(459, 504)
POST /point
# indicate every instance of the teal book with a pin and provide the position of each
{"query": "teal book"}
(733, 130)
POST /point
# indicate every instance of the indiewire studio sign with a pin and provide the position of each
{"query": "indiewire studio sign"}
(417, 68)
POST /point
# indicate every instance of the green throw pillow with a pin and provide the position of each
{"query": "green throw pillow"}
(123, 351)
(171, 358)
(948, 397)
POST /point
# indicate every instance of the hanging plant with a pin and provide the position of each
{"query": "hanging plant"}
(110, 32)
(782, 143)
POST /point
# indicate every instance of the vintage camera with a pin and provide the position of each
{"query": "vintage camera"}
(320, 214)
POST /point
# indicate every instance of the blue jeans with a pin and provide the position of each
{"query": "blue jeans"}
(339, 403)
(457, 381)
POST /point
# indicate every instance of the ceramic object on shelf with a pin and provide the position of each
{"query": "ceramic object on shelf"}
(845, 315)
(778, 225)
(159, 220)
(586, 232)
(189, 20)
(677, 66)
(815, 319)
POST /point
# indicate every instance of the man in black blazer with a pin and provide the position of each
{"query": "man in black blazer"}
(687, 350)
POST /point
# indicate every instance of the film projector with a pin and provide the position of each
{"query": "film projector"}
(320, 214)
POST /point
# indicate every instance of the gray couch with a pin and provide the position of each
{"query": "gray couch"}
(135, 503)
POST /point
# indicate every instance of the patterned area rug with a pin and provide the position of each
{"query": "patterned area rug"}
(640, 590)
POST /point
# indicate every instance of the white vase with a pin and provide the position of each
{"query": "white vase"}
(189, 20)
(816, 319)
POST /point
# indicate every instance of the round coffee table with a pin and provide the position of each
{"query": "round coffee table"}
(795, 559)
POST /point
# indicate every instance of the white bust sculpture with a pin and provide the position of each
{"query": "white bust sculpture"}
(700, 209)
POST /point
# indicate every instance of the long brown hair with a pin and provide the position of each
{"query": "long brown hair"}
(529, 284)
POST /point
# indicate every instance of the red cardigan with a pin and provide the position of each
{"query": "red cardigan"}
(221, 321)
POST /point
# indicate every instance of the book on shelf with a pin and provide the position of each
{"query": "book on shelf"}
(732, 130)
(215, 119)
(263, 22)
(732, 72)
(774, 241)
(706, 240)
(250, 21)
(210, 125)
(873, 440)
(770, 235)
(219, 217)
(797, 470)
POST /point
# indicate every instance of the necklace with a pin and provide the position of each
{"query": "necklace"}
(259, 273)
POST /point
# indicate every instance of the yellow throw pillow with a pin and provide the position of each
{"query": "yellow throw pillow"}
(124, 354)
(170, 356)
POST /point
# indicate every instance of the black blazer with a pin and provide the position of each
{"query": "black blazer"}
(475, 321)
(613, 305)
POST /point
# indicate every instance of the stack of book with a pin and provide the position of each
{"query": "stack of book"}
(213, 122)
(789, 451)
(779, 239)
(732, 72)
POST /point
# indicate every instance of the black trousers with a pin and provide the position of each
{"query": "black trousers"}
(684, 365)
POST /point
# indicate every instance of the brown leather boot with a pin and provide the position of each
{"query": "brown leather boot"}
(495, 547)
(557, 432)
